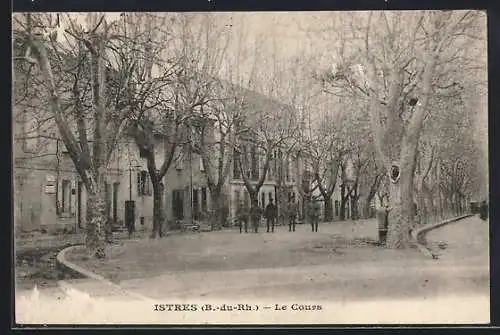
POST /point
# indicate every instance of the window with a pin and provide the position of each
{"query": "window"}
(236, 168)
(306, 179)
(143, 183)
(30, 133)
(179, 160)
(275, 166)
(107, 196)
(202, 167)
(66, 197)
(307, 176)
(237, 197)
(247, 199)
(178, 204)
(255, 164)
(271, 169)
(287, 169)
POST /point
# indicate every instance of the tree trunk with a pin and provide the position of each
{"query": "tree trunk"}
(343, 202)
(422, 207)
(281, 202)
(96, 224)
(328, 209)
(401, 198)
(366, 209)
(432, 208)
(354, 208)
(371, 194)
(158, 218)
(216, 217)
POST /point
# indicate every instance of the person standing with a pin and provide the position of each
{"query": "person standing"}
(314, 213)
(270, 214)
(242, 217)
(483, 211)
(292, 211)
(255, 214)
(383, 209)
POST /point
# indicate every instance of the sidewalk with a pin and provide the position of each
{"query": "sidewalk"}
(321, 281)
(90, 288)
(226, 261)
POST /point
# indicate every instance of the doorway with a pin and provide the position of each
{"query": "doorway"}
(196, 205)
(116, 187)
(79, 204)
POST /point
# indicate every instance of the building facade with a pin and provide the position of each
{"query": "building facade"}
(49, 193)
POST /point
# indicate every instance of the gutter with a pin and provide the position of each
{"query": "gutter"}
(418, 235)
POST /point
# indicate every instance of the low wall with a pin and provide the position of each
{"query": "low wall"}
(418, 235)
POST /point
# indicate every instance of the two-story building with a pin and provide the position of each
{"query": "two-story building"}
(50, 194)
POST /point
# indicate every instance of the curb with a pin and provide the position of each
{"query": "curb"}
(61, 261)
(418, 234)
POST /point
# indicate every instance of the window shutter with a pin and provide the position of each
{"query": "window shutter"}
(138, 183)
(179, 161)
(150, 185)
(144, 182)
(202, 167)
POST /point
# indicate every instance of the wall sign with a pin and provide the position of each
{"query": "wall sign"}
(50, 189)
(395, 173)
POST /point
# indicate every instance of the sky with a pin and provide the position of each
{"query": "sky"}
(274, 42)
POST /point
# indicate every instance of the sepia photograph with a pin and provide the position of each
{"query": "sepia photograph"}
(250, 168)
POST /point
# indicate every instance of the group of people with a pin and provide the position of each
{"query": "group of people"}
(270, 213)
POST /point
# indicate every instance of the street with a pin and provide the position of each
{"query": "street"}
(463, 267)
(460, 273)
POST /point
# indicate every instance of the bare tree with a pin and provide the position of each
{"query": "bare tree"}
(84, 52)
(269, 129)
(403, 61)
(190, 79)
(221, 120)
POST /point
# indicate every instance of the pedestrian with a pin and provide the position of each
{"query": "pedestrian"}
(255, 214)
(483, 211)
(380, 207)
(242, 217)
(292, 211)
(270, 214)
(314, 213)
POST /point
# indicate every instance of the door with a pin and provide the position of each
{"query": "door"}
(107, 196)
(204, 199)
(178, 204)
(196, 205)
(79, 204)
(116, 187)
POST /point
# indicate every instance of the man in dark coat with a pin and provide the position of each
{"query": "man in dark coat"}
(483, 211)
(314, 214)
(292, 211)
(242, 217)
(270, 213)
